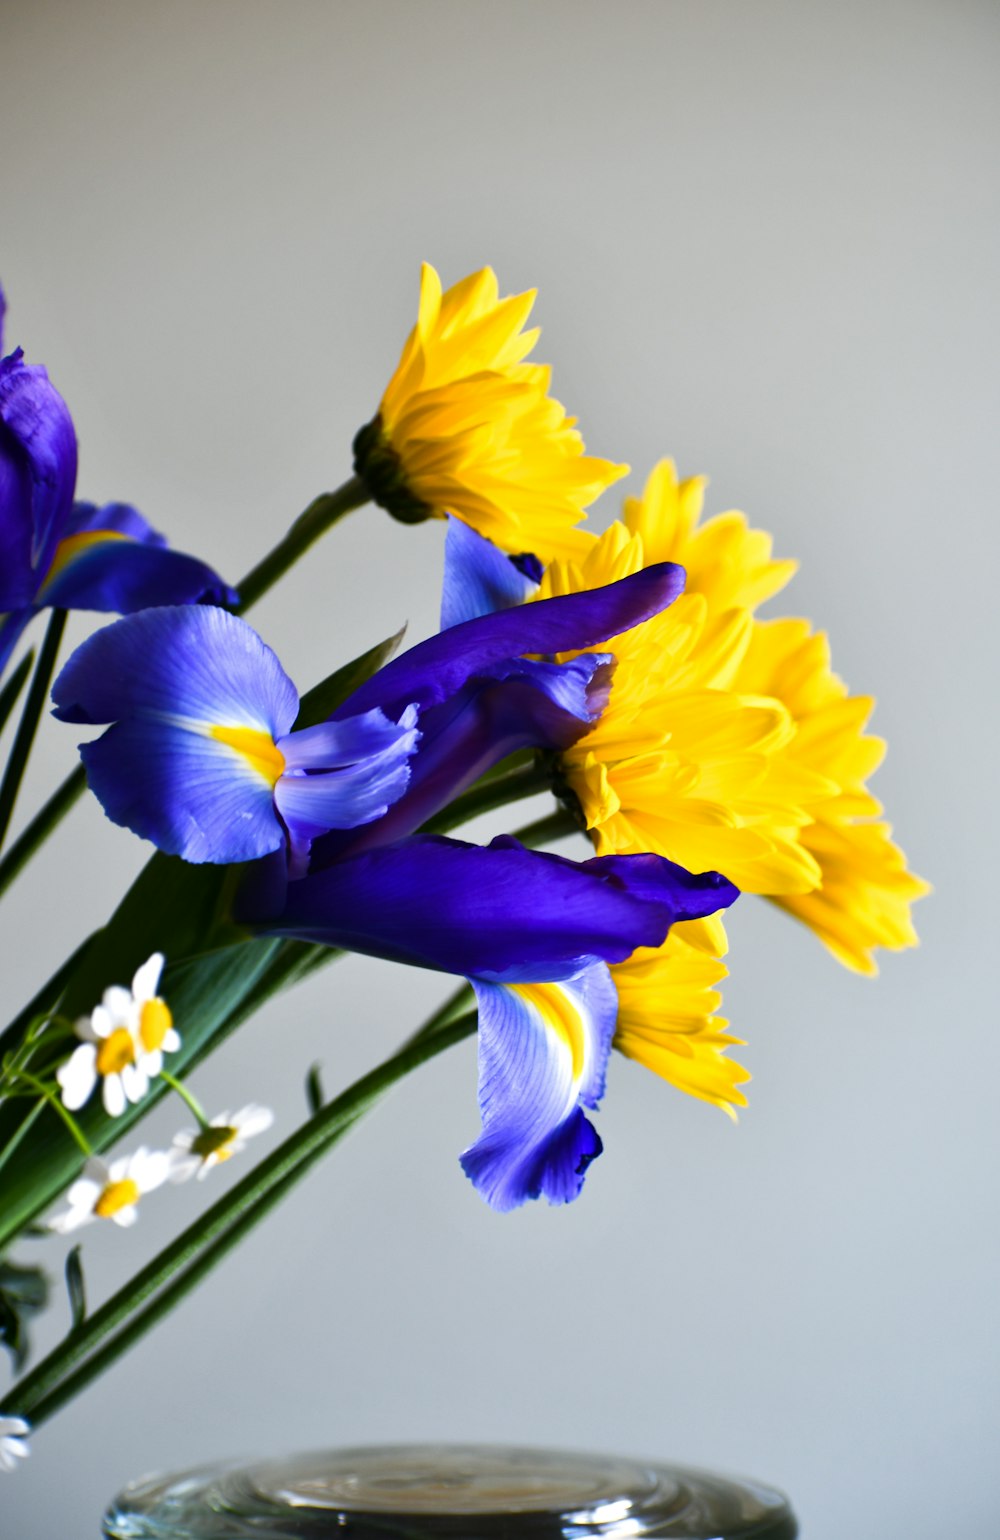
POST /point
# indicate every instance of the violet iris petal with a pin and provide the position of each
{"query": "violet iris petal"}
(200, 758)
(165, 678)
(436, 670)
(481, 700)
(112, 560)
(543, 1052)
(501, 913)
(479, 578)
(520, 703)
(37, 477)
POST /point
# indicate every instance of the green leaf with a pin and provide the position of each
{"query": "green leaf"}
(23, 1292)
(323, 699)
(75, 1288)
(314, 1089)
(12, 689)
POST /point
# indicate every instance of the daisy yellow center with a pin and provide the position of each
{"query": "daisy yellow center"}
(258, 748)
(213, 1141)
(560, 1016)
(116, 1051)
(115, 1197)
(155, 1022)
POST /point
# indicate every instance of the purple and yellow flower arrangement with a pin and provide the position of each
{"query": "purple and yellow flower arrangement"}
(706, 752)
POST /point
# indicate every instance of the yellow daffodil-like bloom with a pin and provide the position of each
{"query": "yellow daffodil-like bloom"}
(666, 1004)
(467, 427)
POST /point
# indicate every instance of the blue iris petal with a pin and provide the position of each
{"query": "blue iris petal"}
(478, 578)
(191, 661)
(37, 477)
(132, 569)
(192, 796)
(168, 677)
(342, 774)
(501, 913)
(520, 703)
(535, 1139)
(437, 669)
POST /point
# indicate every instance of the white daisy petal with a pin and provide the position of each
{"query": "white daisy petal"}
(78, 1076)
(114, 1096)
(147, 978)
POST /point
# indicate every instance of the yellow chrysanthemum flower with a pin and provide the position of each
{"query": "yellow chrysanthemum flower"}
(728, 742)
(681, 762)
(467, 427)
(666, 1020)
(865, 892)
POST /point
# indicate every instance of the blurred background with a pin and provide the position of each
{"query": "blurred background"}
(765, 238)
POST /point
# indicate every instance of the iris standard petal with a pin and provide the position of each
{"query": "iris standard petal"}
(543, 1050)
(37, 477)
(479, 578)
(188, 663)
(500, 913)
(339, 775)
(437, 669)
(110, 559)
(517, 704)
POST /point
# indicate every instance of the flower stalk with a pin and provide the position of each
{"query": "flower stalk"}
(33, 707)
(170, 1276)
(323, 512)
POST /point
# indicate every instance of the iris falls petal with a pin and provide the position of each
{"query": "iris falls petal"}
(543, 1050)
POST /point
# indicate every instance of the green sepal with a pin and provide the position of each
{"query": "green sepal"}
(76, 1289)
(322, 701)
(24, 1291)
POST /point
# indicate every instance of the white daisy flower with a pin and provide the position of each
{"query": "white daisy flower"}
(195, 1151)
(124, 1040)
(13, 1441)
(112, 1192)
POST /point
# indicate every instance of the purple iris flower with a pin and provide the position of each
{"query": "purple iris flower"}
(533, 933)
(202, 758)
(54, 553)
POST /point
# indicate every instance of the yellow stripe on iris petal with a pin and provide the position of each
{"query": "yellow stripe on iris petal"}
(561, 1014)
(257, 748)
(72, 546)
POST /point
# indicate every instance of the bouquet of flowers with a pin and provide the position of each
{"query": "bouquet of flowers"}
(706, 752)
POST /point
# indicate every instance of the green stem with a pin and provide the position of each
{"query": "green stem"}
(53, 1100)
(33, 708)
(41, 826)
(321, 514)
(554, 826)
(12, 689)
(489, 794)
(186, 1096)
(165, 1281)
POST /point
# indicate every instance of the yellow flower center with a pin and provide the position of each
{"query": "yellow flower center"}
(155, 1022)
(115, 1197)
(115, 1052)
(258, 748)
(213, 1141)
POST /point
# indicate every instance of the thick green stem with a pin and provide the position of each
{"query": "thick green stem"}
(11, 691)
(489, 794)
(41, 826)
(320, 516)
(160, 1285)
(33, 708)
(554, 826)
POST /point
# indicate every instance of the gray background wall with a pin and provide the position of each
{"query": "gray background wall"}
(765, 236)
